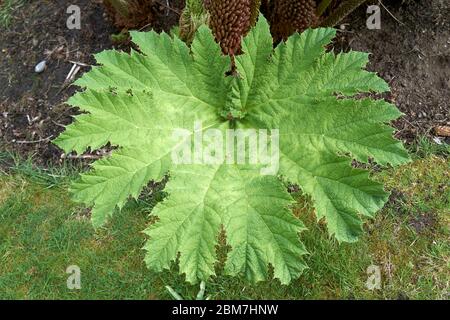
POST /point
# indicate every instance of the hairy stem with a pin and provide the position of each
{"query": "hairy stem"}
(192, 17)
(341, 12)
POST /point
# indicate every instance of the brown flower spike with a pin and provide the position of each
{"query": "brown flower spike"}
(289, 16)
(229, 20)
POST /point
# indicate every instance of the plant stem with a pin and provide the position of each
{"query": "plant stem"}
(173, 293)
(324, 4)
(341, 12)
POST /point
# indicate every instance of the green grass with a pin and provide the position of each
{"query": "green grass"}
(7, 9)
(11, 164)
(42, 233)
(424, 147)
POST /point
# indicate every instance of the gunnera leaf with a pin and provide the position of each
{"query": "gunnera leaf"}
(135, 101)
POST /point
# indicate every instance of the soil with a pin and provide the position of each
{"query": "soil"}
(32, 108)
(411, 51)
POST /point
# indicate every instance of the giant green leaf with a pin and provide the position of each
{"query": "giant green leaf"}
(136, 101)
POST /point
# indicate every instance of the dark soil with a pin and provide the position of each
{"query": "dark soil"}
(410, 51)
(31, 106)
(32, 109)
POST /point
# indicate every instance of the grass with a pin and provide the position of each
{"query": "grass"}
(424, 147)
(42, 233)
(7, 9)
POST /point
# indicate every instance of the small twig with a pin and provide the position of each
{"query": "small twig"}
(49, 53)
(86, 156)
(70, 76)
(36, 141)
(168, 7)
(80, 63)
(58, 124)
(147, 25)
(73, 72)
(381, 3)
